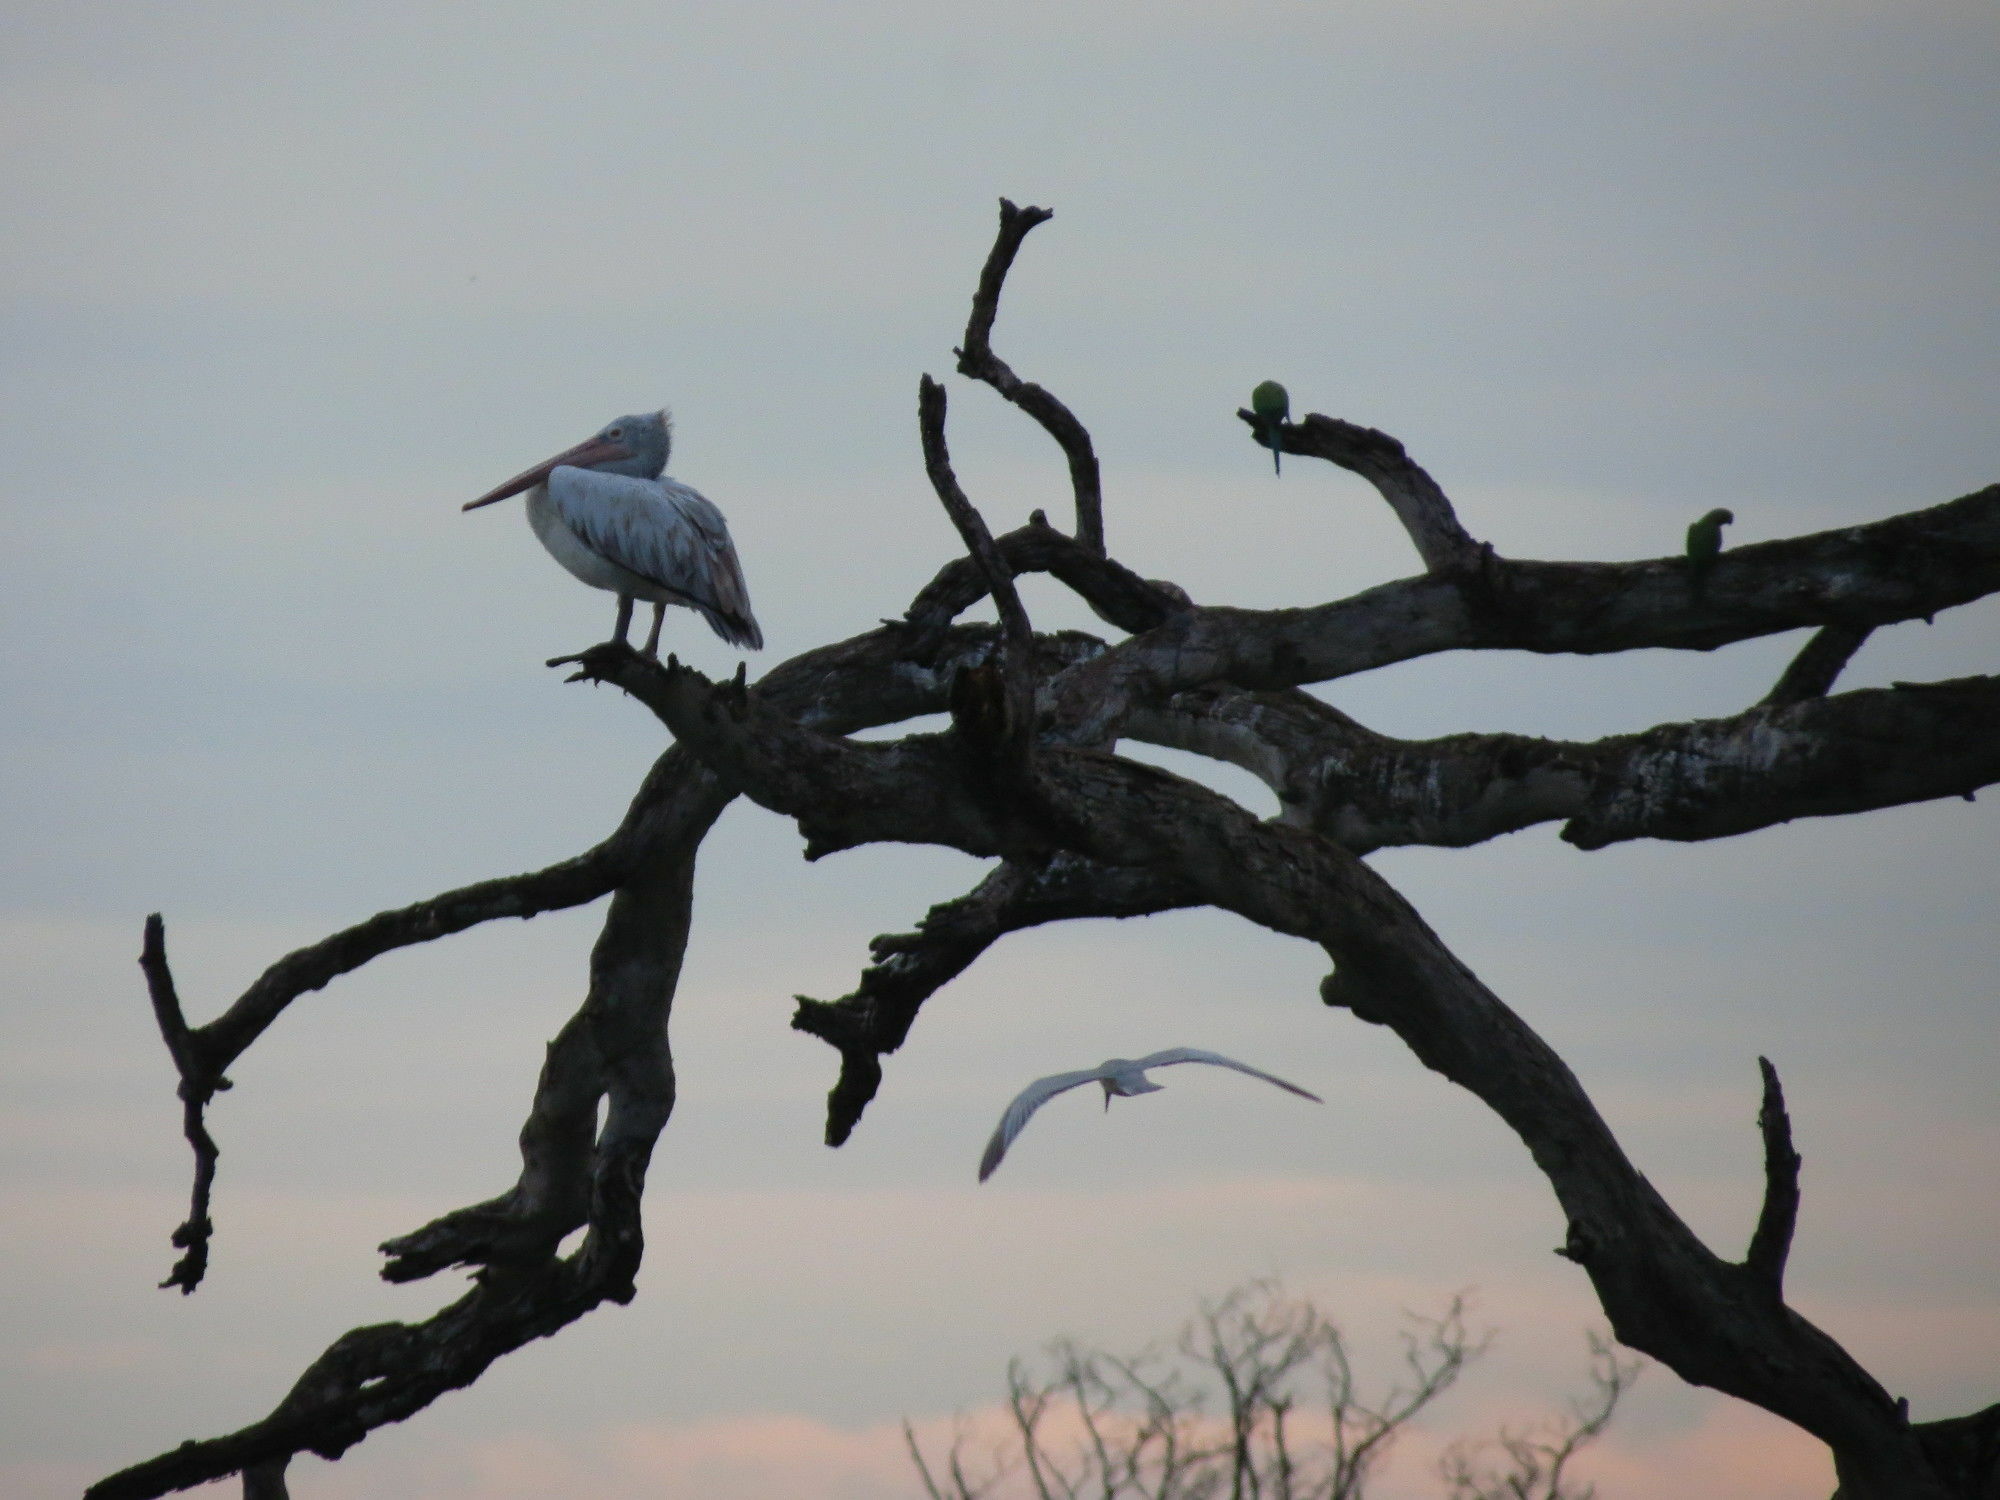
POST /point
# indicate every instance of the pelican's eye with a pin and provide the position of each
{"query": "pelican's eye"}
(616, 432)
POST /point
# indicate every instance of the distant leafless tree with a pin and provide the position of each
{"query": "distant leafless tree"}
(1536, 1465)
(1028, 775)
(1256, 1401)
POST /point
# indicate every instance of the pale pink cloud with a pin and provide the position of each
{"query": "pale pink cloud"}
(1730, 1450)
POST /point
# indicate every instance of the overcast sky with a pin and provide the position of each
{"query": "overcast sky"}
(285, 285)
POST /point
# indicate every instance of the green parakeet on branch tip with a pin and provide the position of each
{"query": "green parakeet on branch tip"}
(1272, 408)
(1704, 546)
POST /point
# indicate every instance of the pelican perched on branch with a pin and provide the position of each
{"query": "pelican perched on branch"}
(606, 512)
(1122, 1077)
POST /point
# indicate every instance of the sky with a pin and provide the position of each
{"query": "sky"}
(283, 286)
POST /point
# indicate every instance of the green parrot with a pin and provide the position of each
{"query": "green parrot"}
(1704, 546)
(1272, 407)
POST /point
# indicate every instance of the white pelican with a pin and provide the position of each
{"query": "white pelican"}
(1122, 1076)
(606, 511)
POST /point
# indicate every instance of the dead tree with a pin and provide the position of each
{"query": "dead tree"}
(1027, 775)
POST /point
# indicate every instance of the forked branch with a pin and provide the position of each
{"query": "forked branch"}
(977, 360)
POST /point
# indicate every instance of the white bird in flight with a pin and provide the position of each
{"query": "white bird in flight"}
(606, 512)
(1124, 1076)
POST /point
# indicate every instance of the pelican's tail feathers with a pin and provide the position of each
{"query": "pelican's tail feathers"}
(738, 630)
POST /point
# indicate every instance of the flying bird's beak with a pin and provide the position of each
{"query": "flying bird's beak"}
(594, 450)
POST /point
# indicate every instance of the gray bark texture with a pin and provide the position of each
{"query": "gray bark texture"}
(1028, 775)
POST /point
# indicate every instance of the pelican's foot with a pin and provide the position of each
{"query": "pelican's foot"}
(598, 663)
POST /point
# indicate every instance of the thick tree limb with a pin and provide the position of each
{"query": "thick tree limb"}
(977, 360)
(1906, 567)
(1423, 508)
(1665, 1292)
(1703, 779)
(1876, 747)
(1964, 1452)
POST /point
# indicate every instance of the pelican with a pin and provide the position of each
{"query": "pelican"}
(1122, 1076)
(607, 512)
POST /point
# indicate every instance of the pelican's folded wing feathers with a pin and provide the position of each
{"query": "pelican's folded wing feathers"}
(666, 533)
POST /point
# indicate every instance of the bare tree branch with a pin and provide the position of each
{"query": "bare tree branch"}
(911, 967)
(1423, 508)
(1701, 779)
(1818, 665)
(977, 360)
(197, 1086)
(994, 711)
(1906, 567)
(381, 1374)
(1772, 1241)
(993, 569)
(1114, 591)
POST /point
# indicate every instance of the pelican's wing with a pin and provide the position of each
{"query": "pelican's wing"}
(666, 533)
(1030, 1099)
(1196, 1054)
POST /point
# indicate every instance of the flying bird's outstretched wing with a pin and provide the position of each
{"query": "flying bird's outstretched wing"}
(1196, 1054)
(666, 533)
(1030, 1099)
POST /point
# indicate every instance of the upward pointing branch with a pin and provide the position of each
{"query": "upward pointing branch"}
(971, 525)
(974, 702)
(1771, 1243)
(977, 360)
(198, 1085)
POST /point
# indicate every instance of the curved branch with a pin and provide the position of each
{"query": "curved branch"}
(1114, 591)
(201, 1054)
(380, 1374)
(977, 360)
(1423, 508)
(910, 967)
(993, 570)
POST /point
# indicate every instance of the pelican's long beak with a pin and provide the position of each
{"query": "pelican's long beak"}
(594, 450)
